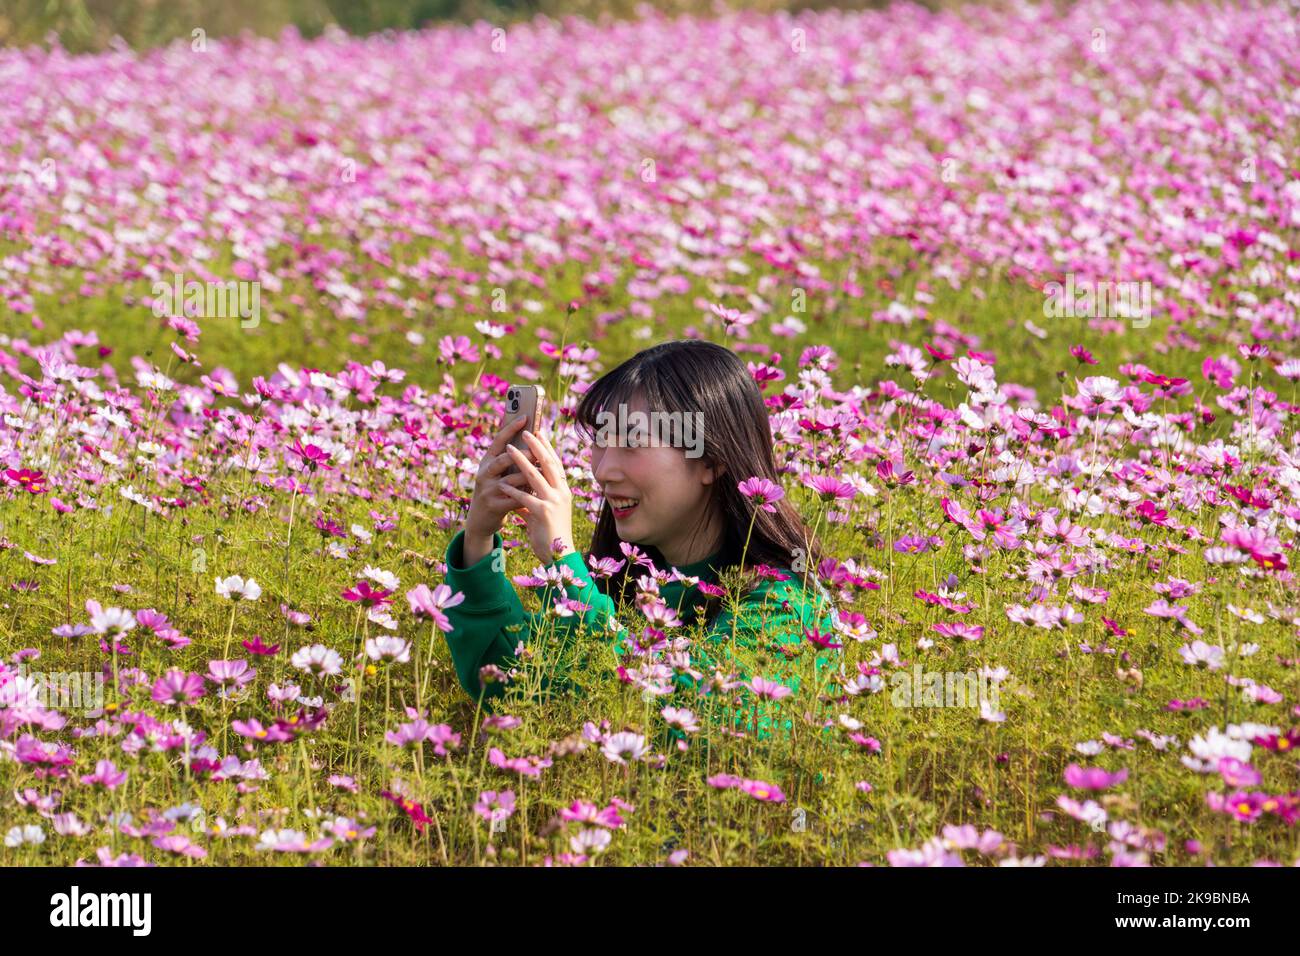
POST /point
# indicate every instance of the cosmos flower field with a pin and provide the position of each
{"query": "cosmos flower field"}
(230, 529)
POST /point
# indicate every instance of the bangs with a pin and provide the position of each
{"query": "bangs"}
(620, 387)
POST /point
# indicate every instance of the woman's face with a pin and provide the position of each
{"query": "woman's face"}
(657, 495)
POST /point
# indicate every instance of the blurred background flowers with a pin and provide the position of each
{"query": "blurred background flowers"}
(86, 25)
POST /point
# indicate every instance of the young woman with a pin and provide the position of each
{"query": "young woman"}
(682, 507)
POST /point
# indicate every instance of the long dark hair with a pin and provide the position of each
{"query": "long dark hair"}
(690, 376)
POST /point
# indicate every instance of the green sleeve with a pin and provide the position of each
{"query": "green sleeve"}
(490, 623)
(774, 613)
(478, 634)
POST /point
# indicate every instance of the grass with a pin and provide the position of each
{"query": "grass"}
(937, 766)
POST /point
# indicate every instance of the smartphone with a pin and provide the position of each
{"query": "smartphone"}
(523, 401)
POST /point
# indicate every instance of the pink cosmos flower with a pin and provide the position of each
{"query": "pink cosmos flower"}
(492, 805)
(1246, 806)
(1093, 778)
(765, 689)
(431, 604)
(106, 775)
(254, 730)
(762, 491)
(178, 687)
(830, 488)
(1238, 773)
(933, 852)
(181, 845)
(297, 618)
(760, 790)
(581, 811)
(234, 673)
(967, 632)
(526, 766)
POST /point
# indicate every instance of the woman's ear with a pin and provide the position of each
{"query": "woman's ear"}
(713, 471)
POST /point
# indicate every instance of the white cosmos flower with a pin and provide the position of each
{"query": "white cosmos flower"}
(1249, 731)
(385, 579)
(22, 691)
(31, 833)
(318, 659)
(590, 841)
(1207, 751)
(381, 617)
(111, 620)
(236, 588)
(388, 648)
(130, 494)
(624, 747)
(990, 713)
(156, 381)
(1246, 614)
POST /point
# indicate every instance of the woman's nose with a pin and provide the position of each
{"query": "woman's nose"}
(606, 467)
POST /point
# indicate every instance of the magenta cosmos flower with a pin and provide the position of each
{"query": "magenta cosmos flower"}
(367, 596)
(312, 456)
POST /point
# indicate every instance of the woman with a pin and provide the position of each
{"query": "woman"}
(684, 508)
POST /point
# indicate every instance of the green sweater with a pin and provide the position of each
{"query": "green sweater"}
(488, 625)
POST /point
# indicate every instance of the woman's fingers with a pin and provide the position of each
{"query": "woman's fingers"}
(550, 450)
(535, 477)
(497, 465)
(506, 433)
(546, 458)
(523, 497)
(517, 480)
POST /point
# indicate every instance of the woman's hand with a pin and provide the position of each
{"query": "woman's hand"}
(548, 511)
(490, 504)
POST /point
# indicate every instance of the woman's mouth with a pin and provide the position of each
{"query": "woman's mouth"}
(622, 507)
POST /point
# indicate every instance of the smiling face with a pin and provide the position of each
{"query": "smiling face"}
(659, 497)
